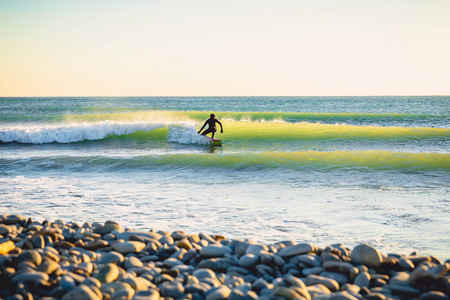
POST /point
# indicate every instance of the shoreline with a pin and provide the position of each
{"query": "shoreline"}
(68, 260)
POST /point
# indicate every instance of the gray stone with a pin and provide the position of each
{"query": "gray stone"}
(31, 256)
(133, 262)
(150, 294)
(256, 249)
(248, 260)
(340, 278)
(366, 255)
(172, 289)
(111, 257)
(67, 283)
(30, 276)
(215, 251)
(204, 273)
(362, 280)
(221, 292)
(81, 293)
(108, 273)
(128, 247)
(331, 284)
(296, 250)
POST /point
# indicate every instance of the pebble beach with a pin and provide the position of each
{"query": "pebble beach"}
(68, 260)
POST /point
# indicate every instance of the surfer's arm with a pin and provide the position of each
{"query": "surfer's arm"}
(221, 128)
(202, 127)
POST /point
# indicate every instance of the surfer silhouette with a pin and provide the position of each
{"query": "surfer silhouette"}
(211, 126)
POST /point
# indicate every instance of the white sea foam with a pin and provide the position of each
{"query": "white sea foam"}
(70, 133)
(185, 134)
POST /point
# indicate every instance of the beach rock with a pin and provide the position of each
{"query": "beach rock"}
(128, 247)
(108, 273)
(67, 283)
(150, 294)
(434, 295)
(111, 257)
(296, 250)
(133, 262)
(124, 294)
(31, 256)
(362, 280)
(96, 244)
(204, 273)
(30, 276)
(216, 264)
(248, 260)
(38, 242)
(107, 228)
(423, 270)
(81, 293)
(339, 277)
(331, 284)
(6, 247)
(366, 255)
(318, 290)
(405, 263)
(13, 219)
(218, 293)
(215, 251)
(172, 289)
(48, 267)
(5, 229)
(256, 249)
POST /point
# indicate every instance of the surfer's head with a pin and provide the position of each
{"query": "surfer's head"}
(212, 116)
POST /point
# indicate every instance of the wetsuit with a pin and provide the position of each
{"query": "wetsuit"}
(211, 126)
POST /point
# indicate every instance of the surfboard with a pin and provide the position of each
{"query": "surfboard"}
(215, 141)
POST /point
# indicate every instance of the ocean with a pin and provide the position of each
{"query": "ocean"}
(322, 170)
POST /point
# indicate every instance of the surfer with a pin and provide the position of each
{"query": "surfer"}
(211, 126)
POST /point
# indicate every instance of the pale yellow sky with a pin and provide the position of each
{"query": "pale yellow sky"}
(224, 48)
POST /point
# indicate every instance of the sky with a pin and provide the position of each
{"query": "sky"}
(224, 48)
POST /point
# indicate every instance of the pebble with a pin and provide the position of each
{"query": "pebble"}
(128, 247)
(296, 250)
(366, 255)
(215, 251)
(59, 260)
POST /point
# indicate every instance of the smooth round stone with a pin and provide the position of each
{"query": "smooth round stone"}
(137, 283)
(67, 283)
(81, 293)
(296, 250)
(133, 262)
(108, 273)
(256, 249)
(178, 235)
(166, 240)
(122, 294)
(108, 228)
(31, 256)
(405, 263)
(217, 264)
(30, 276)
(331, 284)
(91, 281)
(204, 273)
(312, 271)
(172, 262)
(172, 289)
(366, 255)
(222, 292)
(48, 267)
(362, 280)
(339, 277)
(287, 293)
(13, 219)
(96, 244)
(248, 260)
(6, 247)
(196, 288)
(129, 247)
(111, 257)
(146, 295)
(215, 251)
(4, 229)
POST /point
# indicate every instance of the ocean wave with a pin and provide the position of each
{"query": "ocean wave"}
(312, 160)
(71, 133)
(234, 131)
